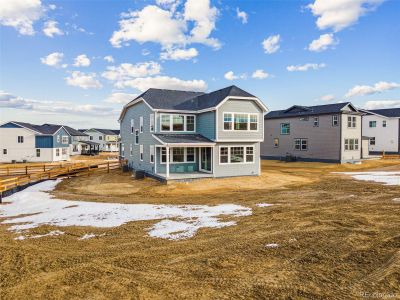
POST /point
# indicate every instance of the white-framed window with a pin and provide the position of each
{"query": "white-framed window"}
(190, 154)
(100, 137)
(335, 120)
(132, 125)
(304, 118)
(20, 139)
(4, 151)
(254, 122)
(141, 152)
(372, 141)
(130, 149)
(384, 123)
(285, 128)
(141, 124)
(64, 139)
(91, 138)
(37, 152)
(352, 122)
(163, 154)
(301, 144)
(177, 123)
(240, 121)
(236, 154)
(122, 150)
(152, 154)
(372, 124)
(151, 122)
(350, 144)
(64, 151)
(57, 152)
(316, 121)
(228, 121)
(136, 136)
(276, 142)
(58, 138)
(178, 155)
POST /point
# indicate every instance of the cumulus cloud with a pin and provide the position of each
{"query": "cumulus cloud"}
(53, 60)
(241, 15)
(327, 98)
(379, 87)
(167, 28)
(179, 54)
(324, 42)
(231, 76)
(120, 98)
(260, 74)
(340, 14)
(126, 71)
(380, 104)
(50, 29)
(271, 44)
(21, 14)
(82, 61)
(83, 80)
(109, 58)
(168, 4)
(305, 67)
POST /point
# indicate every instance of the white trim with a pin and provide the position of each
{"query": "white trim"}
(376, 114)
(245, 162)
(160, 141)
(240, 140)
(136, 135)
(130, 149)
(154, 154)
(171, 122)
(212, 160)
(171, 156)
(152, 120)
(260, 103)
(132, 103)
(141, 154)
(233, 121)
(141, 124)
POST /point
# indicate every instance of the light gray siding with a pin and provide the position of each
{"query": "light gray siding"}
(323, 140)
(206, 124)
(239, 106)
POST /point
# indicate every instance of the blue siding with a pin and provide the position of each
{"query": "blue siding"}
(206, 124)
(43, 141)
(60, 133)
(177, 167)
(10, 125)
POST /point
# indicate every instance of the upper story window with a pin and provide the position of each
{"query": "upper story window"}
(20, 139)
(58, 138)
(152, 153)
(141, 124)
(64, 139)
(372, 124)
(316, 121)
(91, 138)
(132, 125)
(240, 121)
(285, 128)
(178, 123)
(304, 118)
(372, 141)
(100, 138)
(384, 123)
(152, 123)
(352, 122)
(335, 120)
(5, 151)
(136, 137)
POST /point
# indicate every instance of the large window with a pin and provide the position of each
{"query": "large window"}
(178, 123)
(165, 123)
(20, 139)
(352, 122)
(179, 155)
(241, 122)
(64, 139)
(372, 124)
(236, 154)
(372, 141)
(301, 144)
(285, 128)
(37, 152)
(350, 144)
(335, 120)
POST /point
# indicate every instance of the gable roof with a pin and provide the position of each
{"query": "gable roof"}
(387, 112)
(48, 129)
(73, 132)
(162, 99)
(104, 131)
(297, 110)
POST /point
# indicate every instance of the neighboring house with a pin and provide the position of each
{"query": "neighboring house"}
(173, 134)
(78, 140)
(35, 143)
(382, 127)
(324, 133)
(107, 138)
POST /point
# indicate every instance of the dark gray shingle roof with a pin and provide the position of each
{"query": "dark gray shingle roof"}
(387, 112)
(183, 138)
(43, 129)
(297, 110)
(73, 132)
(106, 131)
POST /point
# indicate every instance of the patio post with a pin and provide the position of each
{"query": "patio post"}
(167, 162)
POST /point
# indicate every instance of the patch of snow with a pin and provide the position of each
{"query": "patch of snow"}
(273, 245)
(51, 233)
(396, 199)
(87, 236)
(34, 207)
(387, 178)
(263, 204)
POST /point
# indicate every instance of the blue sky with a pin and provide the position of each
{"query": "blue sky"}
(53, 67)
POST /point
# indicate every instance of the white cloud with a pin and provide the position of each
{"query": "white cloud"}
(109, 58)
(125, 72)
(241, 15)
(327, 98)
(379, 104)
(168, 4)
(324, 42)
(260, 74)
(271, 44)
(120, 98)
(82, 61)
(165, 82)
(305, 67)
(379, 87)
(53, 60)
(83, 80)
(339, 14)
(50, 29)
(52, 6)
(231, 76)
(179, 54)
(21, 14)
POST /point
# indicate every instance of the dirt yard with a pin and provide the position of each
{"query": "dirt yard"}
(337, 238)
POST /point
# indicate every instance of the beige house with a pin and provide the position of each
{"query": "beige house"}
(323, 133)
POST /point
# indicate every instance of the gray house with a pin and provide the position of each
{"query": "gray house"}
(173, 134)
(324, 133)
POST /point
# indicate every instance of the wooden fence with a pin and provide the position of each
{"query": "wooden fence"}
(390, 156)
(67, 170)
(31, 168)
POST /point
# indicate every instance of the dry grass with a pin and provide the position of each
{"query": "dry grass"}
(337, 238)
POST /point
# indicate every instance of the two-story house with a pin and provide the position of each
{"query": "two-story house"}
(382, 127)
(107, 139)
(21, 141)
(173, 134)
(324, 133)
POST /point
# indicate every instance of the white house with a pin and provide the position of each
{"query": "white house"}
(382, 127)
(107, 138)
(77, 142)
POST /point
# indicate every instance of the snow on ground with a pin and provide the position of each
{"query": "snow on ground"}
(34, 207)
(51, 233)
(263, 204)
(387, 178)
(396, 199)
(273, 245)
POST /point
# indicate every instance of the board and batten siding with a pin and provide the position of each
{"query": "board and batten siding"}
(146, 138)
(239, 106)
(206, 124)
(350, 133)
(323, 140)
(59, 144)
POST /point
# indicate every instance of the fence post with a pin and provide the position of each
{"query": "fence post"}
(26, 170)
(8, 171)
(44, 167)
(108, 167)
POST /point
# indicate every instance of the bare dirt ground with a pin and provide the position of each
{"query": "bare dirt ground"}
(338, 239)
